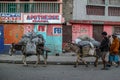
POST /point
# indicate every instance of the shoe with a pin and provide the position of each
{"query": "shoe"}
(108, 65)
(117, 66)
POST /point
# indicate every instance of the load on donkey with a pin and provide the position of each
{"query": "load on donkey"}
(30, 44)
(85, 47)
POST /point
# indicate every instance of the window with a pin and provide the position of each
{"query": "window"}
(8, 7)
(12, 7)
(24, 7)
(30, 7)
(95, 10)
(45, 7)
(114, 2)
(114, 11)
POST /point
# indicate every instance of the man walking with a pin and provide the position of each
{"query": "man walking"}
(104, 47)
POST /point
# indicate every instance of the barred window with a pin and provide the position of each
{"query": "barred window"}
(114, 11)
(95, 10)
(45, 7)
(8, 7)
(24, 8)
(30, 7)
(114, 2)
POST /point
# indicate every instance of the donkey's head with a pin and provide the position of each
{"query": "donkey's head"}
(11, 50)
(15, 47)
(67, 47)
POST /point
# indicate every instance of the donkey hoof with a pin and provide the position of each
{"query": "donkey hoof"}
(95, 64)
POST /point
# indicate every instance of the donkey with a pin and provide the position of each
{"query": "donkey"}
(19, 47)
(76, 49)
(37, 47)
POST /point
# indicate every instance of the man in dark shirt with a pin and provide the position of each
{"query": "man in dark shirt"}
(104, 47)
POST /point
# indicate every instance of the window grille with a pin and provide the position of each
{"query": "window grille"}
(30, 7)
(95, 10)
(114, 11)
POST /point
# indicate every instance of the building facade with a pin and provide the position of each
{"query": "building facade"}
(91, 17)
(17, 17)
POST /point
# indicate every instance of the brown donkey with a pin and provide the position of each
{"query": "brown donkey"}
(19, 47)
(72, 47)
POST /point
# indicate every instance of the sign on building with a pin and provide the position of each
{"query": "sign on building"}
(10, 17)
(57, 31)
(41, 18)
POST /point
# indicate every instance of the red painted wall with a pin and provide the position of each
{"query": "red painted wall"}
(108, 29)
(80, 30)
(12, 33)
(50, 30)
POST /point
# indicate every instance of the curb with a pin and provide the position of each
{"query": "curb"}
(48, 63)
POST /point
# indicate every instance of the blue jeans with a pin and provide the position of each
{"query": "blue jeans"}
(114, 58)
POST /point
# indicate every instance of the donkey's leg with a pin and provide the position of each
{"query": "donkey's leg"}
(45, 59)
(96, 61)
(24, 60)
(77, 60)
(86, 64)
(38, 59)
(10, 50)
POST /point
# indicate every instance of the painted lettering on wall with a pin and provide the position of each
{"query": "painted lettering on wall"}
(57, 30)
(28, 28)
(41, 28)
(10, 17)
(42, 18)
(83, 30)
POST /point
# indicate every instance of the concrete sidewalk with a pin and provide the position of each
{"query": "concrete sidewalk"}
(63, 59)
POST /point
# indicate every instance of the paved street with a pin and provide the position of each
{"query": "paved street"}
(9, 71)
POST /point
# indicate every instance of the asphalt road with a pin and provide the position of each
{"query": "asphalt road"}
(56, 72)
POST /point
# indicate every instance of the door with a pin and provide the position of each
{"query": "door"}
(116, 29)
(67, 33)
(1, 38)
(97, 30)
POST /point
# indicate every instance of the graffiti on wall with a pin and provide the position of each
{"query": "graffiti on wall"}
(81, 30)
(12, 33)
(41, 28)
(28, 28)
